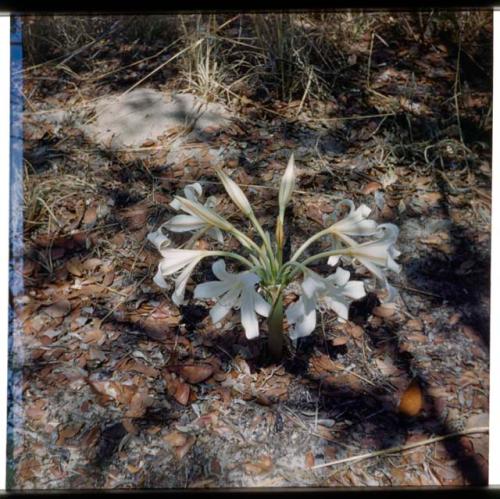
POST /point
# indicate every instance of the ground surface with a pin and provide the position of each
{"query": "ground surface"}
(116, 387)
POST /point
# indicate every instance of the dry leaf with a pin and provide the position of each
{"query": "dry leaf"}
(371, 187)
(476, 420)
(263, 465)
(68, 431)
(75, 267)
(58, 309)
(175, 438)
(182, 393)
(196, 373)
(309, 459)
(341, 340)
(412, 400)
(384, 311)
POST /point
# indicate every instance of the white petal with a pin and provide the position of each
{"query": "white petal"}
(262, 307)
(193, 191)
(294, 311)
(339, 305)
(312, 284)
(235, 192)
(376, 271)
(216, 233)
(159, 239)
(333, 260)
(159, 280)
(175, 259)
(307, 323)
(354, 290)
(218, 312)
(340, 277)
(211, 289)
(219, 270)
(287, 184)
(184, 223)
(248, 316)
(181, 282)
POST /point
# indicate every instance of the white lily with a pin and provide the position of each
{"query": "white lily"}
(193, 222)
(175, 260)
(334, 292)
(287, 185)
(235, 192)
(159, 239)
(235, 291)
(377, 256)
(356, 223)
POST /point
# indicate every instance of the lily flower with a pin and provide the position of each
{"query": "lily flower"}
(235, 192)
(378, 255)
(356, 223)
(175, 260)
(235, 290)
(334, 292)
(193, 222)
(287, 184)
(159, 239)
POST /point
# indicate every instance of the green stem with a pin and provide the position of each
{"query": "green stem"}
(275, 326)
(235, 256)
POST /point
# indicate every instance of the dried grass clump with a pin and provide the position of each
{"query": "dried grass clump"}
(55, 205)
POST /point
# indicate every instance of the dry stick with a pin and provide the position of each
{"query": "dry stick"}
(306, 91)
(455, 89)
(392, 450)
(370, 60)
(419, 291)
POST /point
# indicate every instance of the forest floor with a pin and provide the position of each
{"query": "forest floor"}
(119, 388)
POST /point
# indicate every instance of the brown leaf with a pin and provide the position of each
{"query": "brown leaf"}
(181, 451)
(90, 216)
(309, 459)
(371, 187)
(74, 267)
(384, 311)
(263, 465)
(58, 309)
(354, 330)
(94, 336)
(481, 419)
(175, 438)
(182, 393)
(339, 341)
(412, 400)
(68, 431)
(196, 373)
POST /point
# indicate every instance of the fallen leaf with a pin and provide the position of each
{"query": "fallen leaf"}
(339, 341)
(175, 438)
(412, 400)
(481, 419)
(68, 431)
(384, 311)
(182, 393)
(263, 465)
(196, 373)
(309, 459)
(75, 267)
(58, 309)
(371, 187)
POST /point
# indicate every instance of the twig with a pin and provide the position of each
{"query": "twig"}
(370, 60)
(455, 89)
(392, 450)
(418, 291)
